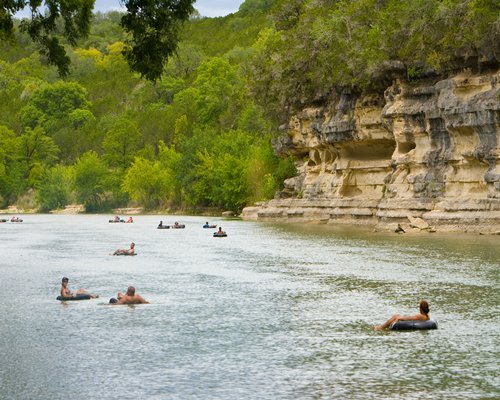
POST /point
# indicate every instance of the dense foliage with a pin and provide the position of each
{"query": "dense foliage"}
(200, 136)
(316, 46)
(153, 27)
(104, 137)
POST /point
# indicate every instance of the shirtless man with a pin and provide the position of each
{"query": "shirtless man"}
(130, 297)
(125, 252)
(66, 293)
(422, 316)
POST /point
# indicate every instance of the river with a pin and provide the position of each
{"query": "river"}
(269, 312)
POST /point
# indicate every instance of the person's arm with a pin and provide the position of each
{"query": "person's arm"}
(141, 299)
(121, 300)
(417, 317)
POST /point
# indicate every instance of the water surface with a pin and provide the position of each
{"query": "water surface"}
(270, 312)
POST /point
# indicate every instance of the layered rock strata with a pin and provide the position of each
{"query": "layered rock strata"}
(419, 155)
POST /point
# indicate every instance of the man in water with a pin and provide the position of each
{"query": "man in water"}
(127, 252)
(66, 293)
(129, 298)
(422, 316)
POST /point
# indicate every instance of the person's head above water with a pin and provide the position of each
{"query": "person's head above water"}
(64, 279)
(132, 245)
(424, 307)
(130, 291)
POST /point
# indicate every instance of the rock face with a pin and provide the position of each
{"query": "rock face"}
(418, 151)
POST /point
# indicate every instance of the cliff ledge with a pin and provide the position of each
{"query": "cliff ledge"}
(425, 156)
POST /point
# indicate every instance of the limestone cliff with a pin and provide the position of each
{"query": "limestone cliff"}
(419, 154)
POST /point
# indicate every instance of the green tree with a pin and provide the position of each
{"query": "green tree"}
(35, 151)
(54, 188)
(121, 143)
(154, 30)
(152, 25)
(91, 177)
(11, 177)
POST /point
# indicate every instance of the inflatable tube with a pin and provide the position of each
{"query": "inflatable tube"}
(210, 226)
(77, 297)
(220, 234)
(413, 325)
(125, 254)
(3, 220)
(163, 227)
(112, 300)
(112, 221)
(180, 226)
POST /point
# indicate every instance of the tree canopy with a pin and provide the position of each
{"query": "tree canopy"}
(153, 27)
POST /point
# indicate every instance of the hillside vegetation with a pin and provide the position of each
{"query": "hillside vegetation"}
(200, 137)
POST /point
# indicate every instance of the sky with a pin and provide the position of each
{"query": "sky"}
(207, 8)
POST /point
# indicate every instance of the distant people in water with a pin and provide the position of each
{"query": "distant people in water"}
(160, 225)
(116, 218)
(16, 219)
(129, 298)
(129, 220)
(125, 252)
(67, 294)
(423, 315)
(220, 231)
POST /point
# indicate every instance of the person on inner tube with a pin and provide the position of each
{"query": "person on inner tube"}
(422, 316)
(125, 252)
(66, 293)
(129, 298)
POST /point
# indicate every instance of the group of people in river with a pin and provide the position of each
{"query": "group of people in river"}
(130, 297)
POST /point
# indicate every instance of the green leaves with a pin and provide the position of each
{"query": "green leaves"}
(153, 26)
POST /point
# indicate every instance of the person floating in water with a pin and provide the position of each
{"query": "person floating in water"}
(130, 220)
(129, 298)
(422, 316)
(220, 231)
(67, 294)
(125, 252)
(160, 225)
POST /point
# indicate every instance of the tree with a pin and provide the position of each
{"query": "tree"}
(42, 28)
(153, 26)
(35, 152)
(91, 176)
(11, 179)
(121, 143)
(52, 103)
(54, 188)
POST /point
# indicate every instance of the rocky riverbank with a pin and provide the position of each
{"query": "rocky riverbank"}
(424, 156)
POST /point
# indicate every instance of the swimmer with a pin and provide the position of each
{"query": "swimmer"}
(129, 298)
(422, 316)
(66, 293)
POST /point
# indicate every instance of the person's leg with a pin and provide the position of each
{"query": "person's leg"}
(387, 323)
